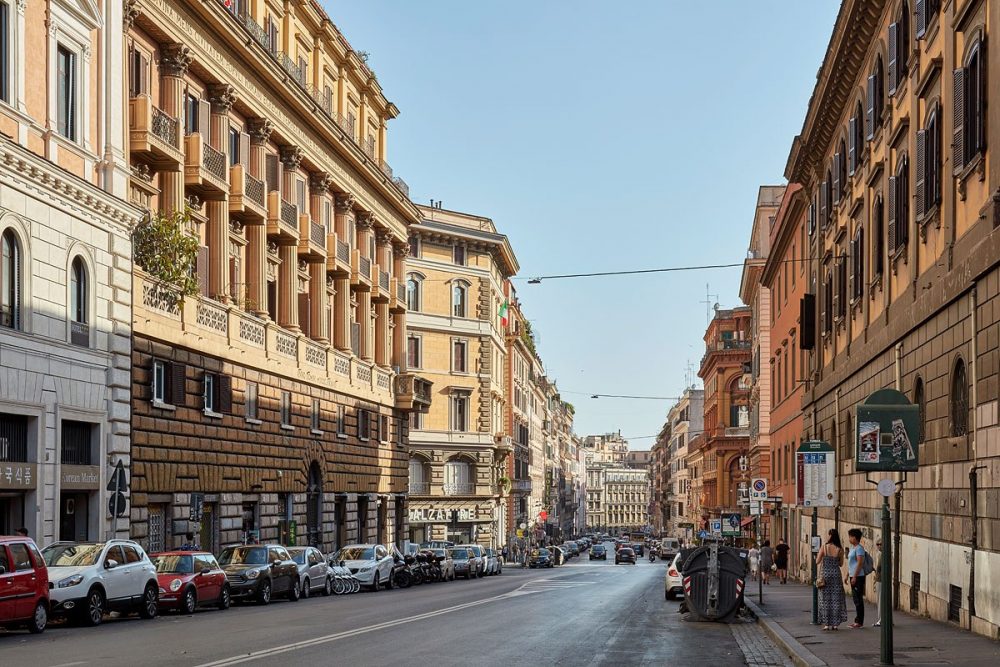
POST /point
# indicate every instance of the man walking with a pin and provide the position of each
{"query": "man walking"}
(856, 576)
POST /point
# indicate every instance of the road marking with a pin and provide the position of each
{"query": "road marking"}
(265, 653)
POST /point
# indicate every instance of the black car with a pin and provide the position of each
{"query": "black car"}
(258, 572)
(625, 555)
(639, 549)
(598, 552)
(541, 558)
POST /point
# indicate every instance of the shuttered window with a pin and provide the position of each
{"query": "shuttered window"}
(968, 133)
(66, 92)
(878, 230)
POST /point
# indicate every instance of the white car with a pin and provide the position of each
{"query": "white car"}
(371, 564)
(673, 583)
(89, 579)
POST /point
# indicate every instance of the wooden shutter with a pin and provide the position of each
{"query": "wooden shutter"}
(224, 387)
(852, 145)
(271, 175)
(958, 134)
(811, 219)
(201, 269)
(304, 314)
(921, 166)
(870, 113)
(178, 380)
(920, 15)
(245, 150)
(891, 225)
(822, 204)
(234, 276)
(205, 121)
(893, 57)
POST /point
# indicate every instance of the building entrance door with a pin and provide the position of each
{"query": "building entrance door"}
(11, 512)
(209, 519)
(74, 517)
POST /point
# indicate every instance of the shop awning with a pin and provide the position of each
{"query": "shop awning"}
(747, 521)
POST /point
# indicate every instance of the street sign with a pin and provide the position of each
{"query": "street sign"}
(886, 487)
(119, 479)
(815, 471)
(116, 505)
(197, 506)
(887, 433)
(756, 507)
(758, 488)
(702, 534)
(717, 526)
(731, 524)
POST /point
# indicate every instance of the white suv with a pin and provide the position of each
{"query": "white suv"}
(88, 579)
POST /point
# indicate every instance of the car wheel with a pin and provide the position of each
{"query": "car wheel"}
(40, 618)
(305, 587)
(92, 613)
(375, 583)
(327, 587)
(294, 591)
(149, 602)
(225, 598)
(189, 602)
(264, 592)
(668, 595)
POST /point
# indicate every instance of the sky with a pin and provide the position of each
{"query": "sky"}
(601, 136)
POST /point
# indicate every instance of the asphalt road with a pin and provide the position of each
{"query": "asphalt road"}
(582, 613)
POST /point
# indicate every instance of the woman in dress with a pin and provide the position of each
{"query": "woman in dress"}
(754, 557)
(832, 602)
(766, 561)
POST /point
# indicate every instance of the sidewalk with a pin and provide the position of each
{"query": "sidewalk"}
(787, 614)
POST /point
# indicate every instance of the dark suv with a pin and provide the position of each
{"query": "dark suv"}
(260, 571)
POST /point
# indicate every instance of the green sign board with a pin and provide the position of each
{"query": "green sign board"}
(731, 524)
(887, 428)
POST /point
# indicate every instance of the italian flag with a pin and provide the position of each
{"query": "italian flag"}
(503, 313)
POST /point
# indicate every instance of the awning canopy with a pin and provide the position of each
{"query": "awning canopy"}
(747, 521)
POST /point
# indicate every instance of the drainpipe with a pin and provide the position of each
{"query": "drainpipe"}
(973, 471)
(836, 434)
(897, 537)
(974, 365)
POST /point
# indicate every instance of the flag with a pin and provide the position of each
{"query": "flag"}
(503, 313)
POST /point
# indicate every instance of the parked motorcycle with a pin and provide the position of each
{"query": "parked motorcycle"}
(401, 575)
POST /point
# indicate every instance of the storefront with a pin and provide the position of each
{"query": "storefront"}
(17, 495)
(458, 522)
(79, 503)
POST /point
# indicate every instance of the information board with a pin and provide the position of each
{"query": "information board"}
(815, 474)
(887, 433)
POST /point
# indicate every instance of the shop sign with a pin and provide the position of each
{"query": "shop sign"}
(79, 478)
(439, 515)
(18, 475)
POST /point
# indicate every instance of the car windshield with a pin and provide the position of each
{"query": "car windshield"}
(598, 548)
(626, 552)
(299, 556)
(173, 564)
(460, 554)
(355, 553)
(542, 552)
(72, 555)
(243, 556)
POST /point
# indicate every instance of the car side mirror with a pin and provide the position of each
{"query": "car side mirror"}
(110, 564)
(205, 571)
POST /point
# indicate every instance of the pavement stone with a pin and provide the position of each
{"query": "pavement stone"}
(757, 648)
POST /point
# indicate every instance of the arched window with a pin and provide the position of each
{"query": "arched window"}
(928, 193)
(969, 137)
(959, 400)
(78, 292)
(856, 139)
(858, 264)
(413, 292)
(918, 400)
(458, 478)
(739, 404)
(10, 281)
(878, 233)
(876, 94)
(420, 476)
(459, 300)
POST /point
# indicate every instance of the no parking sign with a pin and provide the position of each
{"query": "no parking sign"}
(758, 488)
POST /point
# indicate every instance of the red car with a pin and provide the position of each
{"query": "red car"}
(190, 579)
(24, 585)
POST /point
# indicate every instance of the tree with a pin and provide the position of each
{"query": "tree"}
(166, 250)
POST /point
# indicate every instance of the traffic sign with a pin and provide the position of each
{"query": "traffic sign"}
(119, 479)
(702, 534)
(731, 524)
(116, 505)
(756, 507)
(758, 488)
(717, 526)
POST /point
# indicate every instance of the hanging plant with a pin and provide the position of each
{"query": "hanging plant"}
(167, 251)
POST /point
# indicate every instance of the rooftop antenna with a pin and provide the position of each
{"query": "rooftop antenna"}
(689, 374)
(708, 304)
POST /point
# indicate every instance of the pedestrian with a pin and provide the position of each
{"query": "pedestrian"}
(189, 544)
(22, 531)
(832, 610)
(754, 557)
(781, 560)
(766, 562)
(503, 554)
(878, 579)
(856, 576)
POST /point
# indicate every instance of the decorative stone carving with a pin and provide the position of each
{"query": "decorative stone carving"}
(383, 237)
(130, 12)
(400, 249)
(329, 281)
(236, 227)
(345, 202)
(320, 181)
(21, 6)
(302, 265)
(174, 60)
(85, 52)
(365, 220)
(222, 96)
(291, 157)
(194, 202)
(141, 171)
(259, 129)
(272, 248)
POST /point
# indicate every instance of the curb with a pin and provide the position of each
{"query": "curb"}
(799, 654)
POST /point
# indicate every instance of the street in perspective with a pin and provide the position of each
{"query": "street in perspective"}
(698, 365)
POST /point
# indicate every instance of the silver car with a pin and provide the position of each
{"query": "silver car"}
(478, 555)
(447, 564)
(314, 572)
(493, 563)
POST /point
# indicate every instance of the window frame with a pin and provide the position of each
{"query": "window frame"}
(285, 410)
(341, 421)
(364, 424)
(414, 357)
(457, 399)
(315, 416)
(460, 309)
(8, 48)
(79, 291)
(67, 95)
(460, 254)
(11, 279)
(209, 392)
(463, 367)
(159, 367)
(958, 399)
(414, 297)
(251, 404)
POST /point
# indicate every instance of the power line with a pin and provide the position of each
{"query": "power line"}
(670, 269)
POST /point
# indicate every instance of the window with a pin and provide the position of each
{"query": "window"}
(876, 94)
(855, 140)
(10, 281)
(364, 424)
(459, 356)
(77, 446)
(858, 265)
(66, 92)
(413, 352)
(827, 314)
(209, 391)
(314, 416)
(5, 55)
(899, 207)
(416, 421)
(341, 421)
(251, 400)
(300, 195)
(959, 400)
(192, 114)
(918, 400)
(926, 12)
(272, 34)
(928, 194)
(878, 229)
(159, 381)
(458, 255)
(840, 175)
(234, 146)
(899, 49)
(458, 478)
(383, 428)
(286, 409)
(78, 291)
(841, 297)
(458, 300)
(969, 137)
(827, 201)
(413, 285)
(460, 411)
(414, 247)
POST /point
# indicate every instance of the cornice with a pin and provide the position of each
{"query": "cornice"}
(792, 205)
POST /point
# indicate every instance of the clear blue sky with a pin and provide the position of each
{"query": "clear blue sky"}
(600, 136)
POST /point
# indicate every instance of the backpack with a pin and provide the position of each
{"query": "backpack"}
(869, 564)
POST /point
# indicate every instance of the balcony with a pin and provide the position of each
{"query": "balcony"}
(204, 168)
(247, 200)
(361, 271)
(381, 284)
(413, 393)
(398, 303)
(282, 218)
(154, 136)
(460, 489)
(521, 486)
(338, 256)
(312, 238)
(419, 488)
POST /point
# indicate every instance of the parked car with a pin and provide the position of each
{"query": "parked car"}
(465, 562)
(493, 563)
(437, 544)
(559, 555)
(260, 571)
(673, 584)
(573, 548)
(598, 552)
(314, 572)
(638, 548)
(24, 585)
(190, 579)
(480, 557)
(370, 564)
(625, 555)
(669, 547)
(447, 564)
(88, 579)
(540, 558)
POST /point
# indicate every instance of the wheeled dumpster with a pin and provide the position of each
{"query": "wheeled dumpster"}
(713, 576)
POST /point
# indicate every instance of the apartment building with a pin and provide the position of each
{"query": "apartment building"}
(626, 495)
(685, 421)
(457, 268)
(65, 263)
(273, 403)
